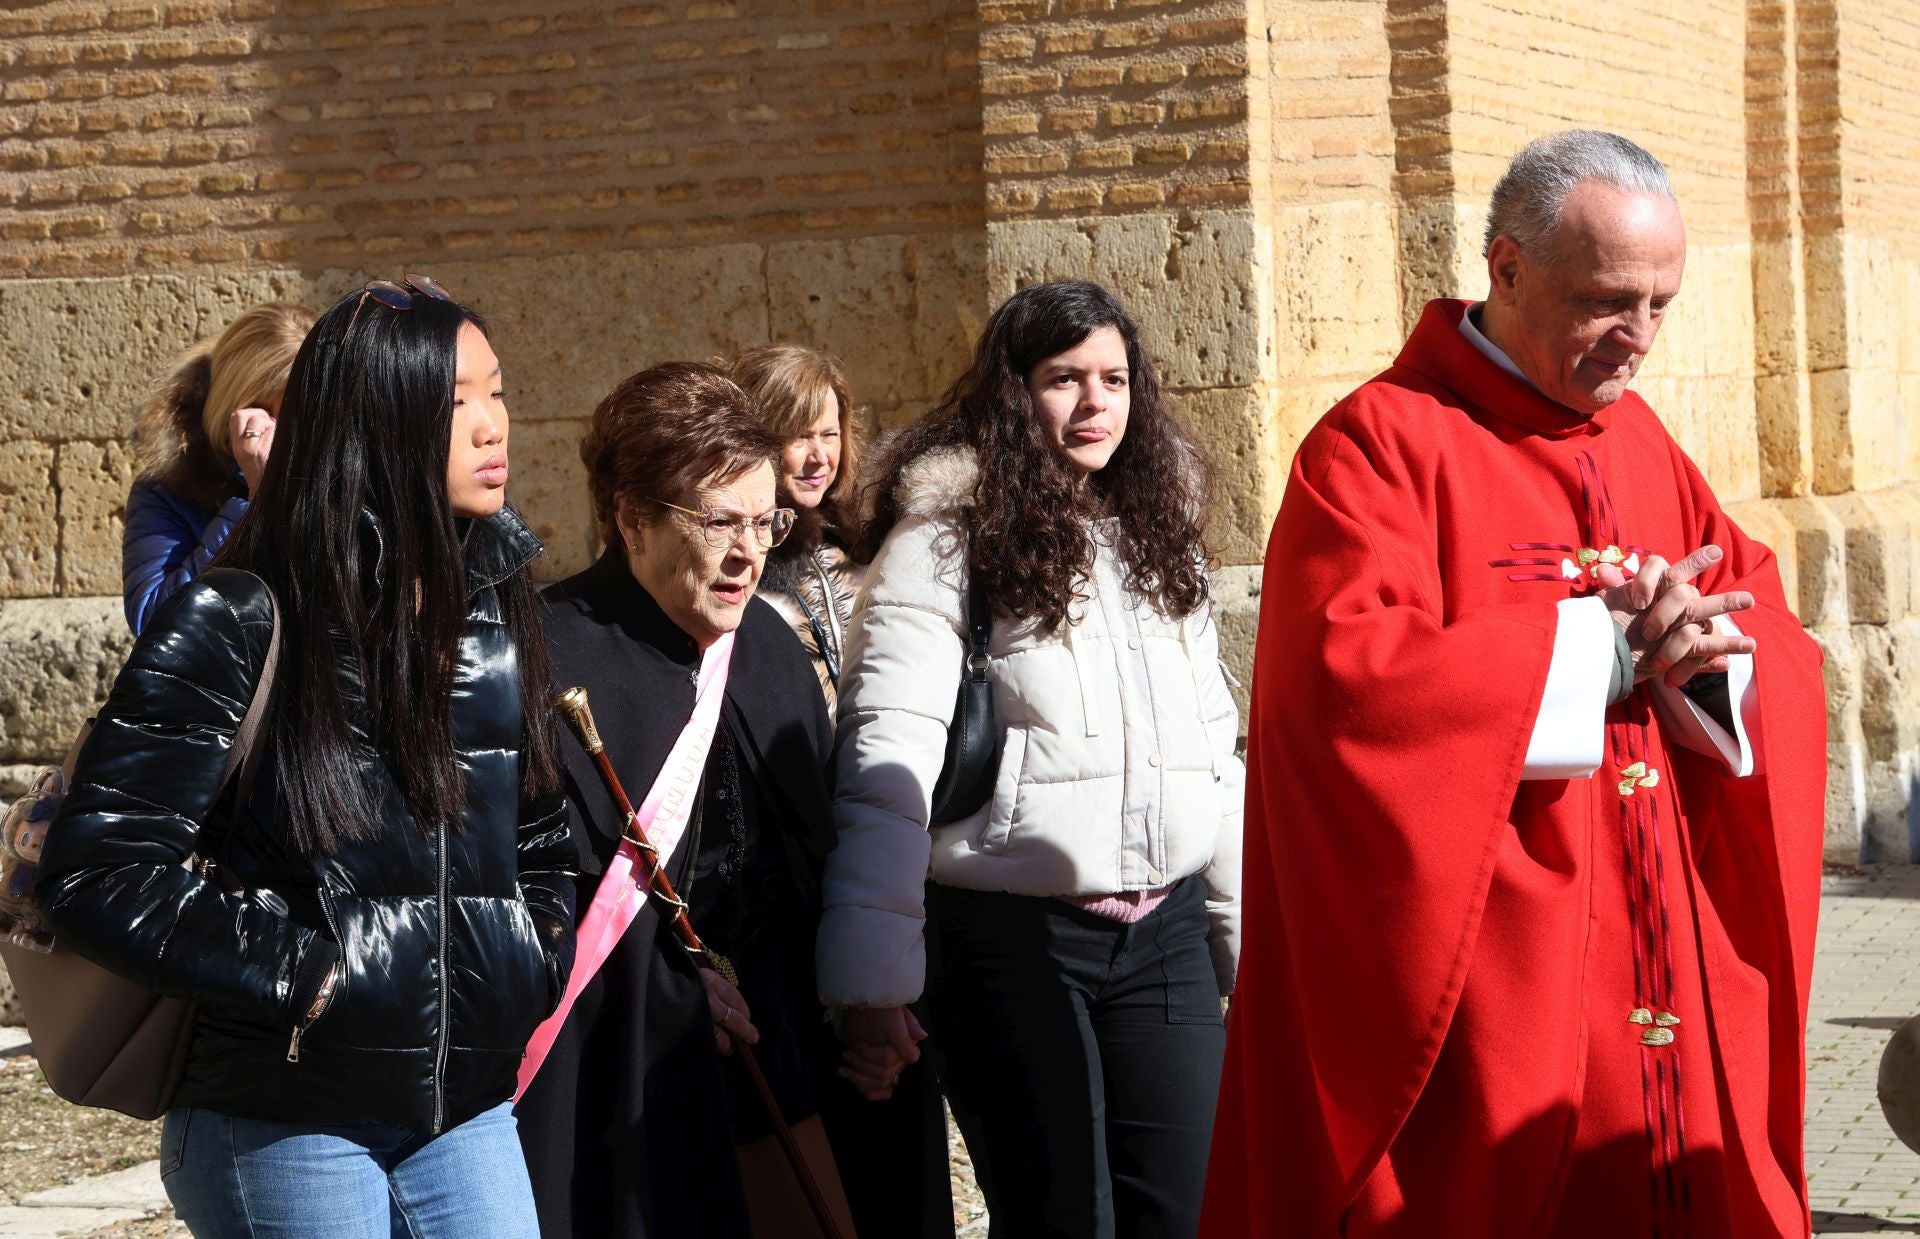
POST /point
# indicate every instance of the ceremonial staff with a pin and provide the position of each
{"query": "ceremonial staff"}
(573, 707)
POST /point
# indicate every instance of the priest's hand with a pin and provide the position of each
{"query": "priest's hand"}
(732, 1022)
(881, 1041)
(1668, 622)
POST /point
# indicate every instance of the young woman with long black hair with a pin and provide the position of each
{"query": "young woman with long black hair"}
(391, 912)
(1081, 925)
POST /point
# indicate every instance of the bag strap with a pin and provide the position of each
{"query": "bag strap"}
(821, 637)
(979, 629)
(245, 752)
(244, 755)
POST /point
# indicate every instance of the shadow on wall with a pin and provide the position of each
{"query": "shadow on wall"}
(613, 192)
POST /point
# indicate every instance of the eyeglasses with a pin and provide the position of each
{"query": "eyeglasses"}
(396, 296)
(722, 527)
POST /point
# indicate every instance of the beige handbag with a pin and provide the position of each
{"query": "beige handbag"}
(103, 1040)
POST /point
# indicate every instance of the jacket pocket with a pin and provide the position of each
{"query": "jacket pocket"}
(1003, 809)
(332, 991)
(504, 977)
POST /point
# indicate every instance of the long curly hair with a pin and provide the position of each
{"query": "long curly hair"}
(1029, 516)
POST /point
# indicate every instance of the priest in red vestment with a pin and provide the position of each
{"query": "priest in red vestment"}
(1536, 771)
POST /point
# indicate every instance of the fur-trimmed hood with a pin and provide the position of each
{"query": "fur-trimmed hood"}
(170, 442)
(940, 482)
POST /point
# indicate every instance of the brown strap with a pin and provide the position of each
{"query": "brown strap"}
(242, 756)
(245, 752)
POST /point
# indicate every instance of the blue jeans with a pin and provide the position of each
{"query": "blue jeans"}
(232, 1178)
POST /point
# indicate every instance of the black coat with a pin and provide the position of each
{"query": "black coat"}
(456, 944)
(627, 1128)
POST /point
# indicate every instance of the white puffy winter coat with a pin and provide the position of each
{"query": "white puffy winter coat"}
(1117, 769)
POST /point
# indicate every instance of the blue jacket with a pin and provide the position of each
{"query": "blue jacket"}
(168, 542)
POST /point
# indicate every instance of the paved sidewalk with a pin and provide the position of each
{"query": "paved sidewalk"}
(84, 1207)
(1866, 981)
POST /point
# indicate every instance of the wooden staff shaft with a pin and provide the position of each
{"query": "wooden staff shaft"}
(574, 708)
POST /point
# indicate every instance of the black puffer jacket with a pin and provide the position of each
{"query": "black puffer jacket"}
(456, 945)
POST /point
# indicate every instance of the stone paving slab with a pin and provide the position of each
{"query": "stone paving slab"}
(135, 1188)
(17, 1222)
(1866, 982)
(14, 1039)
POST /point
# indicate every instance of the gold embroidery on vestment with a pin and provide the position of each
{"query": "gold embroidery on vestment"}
(1639, 774)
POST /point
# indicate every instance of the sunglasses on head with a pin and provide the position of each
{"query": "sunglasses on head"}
(396, 296)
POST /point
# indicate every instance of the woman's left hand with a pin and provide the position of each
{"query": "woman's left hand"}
(250, 437)
(731, 1019)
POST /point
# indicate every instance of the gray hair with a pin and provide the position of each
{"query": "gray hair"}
(1533, 192)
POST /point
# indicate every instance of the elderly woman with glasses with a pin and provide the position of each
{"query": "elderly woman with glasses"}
(641, 1119)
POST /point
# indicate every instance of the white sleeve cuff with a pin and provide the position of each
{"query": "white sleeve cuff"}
(1569, 735)
(1692, 727)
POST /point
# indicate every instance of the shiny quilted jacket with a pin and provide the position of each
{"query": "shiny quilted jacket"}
(456, 944)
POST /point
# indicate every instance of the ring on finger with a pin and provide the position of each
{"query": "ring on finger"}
(252, 434)
(722, 1021)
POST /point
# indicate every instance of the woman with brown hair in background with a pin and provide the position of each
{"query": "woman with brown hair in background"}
(202, 443)
(893, 1153)
(810, 578)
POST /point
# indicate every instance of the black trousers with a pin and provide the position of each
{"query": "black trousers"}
(892, 1154)
(1082, 1059)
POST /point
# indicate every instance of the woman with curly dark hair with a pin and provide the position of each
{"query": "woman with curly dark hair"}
(1082, 921)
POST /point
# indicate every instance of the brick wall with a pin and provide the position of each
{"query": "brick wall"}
(142, 136)
(1340, 137)
(1878, 140)
(1112, 106)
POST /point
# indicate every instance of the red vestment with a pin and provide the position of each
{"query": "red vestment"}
(1449, 976)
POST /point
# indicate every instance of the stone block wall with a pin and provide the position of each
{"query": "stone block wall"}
(1276, 186)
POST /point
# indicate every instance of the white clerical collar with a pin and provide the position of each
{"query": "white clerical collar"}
(1491, 351)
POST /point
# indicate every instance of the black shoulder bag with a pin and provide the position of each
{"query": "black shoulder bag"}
(967, 778)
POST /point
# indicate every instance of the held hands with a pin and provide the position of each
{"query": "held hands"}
(250, 438)
(881, 1041)
(1669, 623)
(731, 1020)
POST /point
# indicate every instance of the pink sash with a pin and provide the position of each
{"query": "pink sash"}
(661, 820)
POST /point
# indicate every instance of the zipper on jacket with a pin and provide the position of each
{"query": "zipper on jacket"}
(440, 1053)
(329, 993)
(326, 914)
(299, 1030)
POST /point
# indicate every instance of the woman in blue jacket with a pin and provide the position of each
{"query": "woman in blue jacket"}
(202, 443)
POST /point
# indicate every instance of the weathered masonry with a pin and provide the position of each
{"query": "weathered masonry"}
(1275, 186)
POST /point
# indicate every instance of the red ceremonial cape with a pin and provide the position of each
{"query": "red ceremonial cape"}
(1431, 1032)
